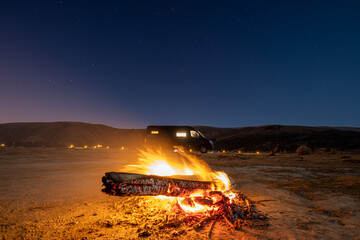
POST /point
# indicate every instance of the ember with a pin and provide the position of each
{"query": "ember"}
(198, 191)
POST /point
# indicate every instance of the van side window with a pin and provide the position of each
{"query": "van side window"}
(181, 134)
(194, 134)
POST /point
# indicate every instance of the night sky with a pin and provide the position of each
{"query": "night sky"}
(129, 64)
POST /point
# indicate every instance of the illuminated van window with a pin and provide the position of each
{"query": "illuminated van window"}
(194, 134)
(154, 132)
(181, 134)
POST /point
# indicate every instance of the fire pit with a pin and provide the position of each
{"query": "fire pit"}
(200, 194)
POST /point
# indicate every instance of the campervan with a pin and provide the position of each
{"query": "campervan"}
(169, 136)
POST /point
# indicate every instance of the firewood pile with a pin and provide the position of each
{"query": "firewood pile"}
(235, 213)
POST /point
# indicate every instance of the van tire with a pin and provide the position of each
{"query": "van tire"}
(203, 149)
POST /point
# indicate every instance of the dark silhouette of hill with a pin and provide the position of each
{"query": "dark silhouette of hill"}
(266, 138)
(258, 138)
(62, 134)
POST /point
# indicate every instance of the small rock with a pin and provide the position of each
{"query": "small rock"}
(144, 234)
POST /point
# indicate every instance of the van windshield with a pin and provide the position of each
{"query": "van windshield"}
(201, 134)
(194, 134)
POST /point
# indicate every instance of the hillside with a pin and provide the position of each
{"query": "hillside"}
(266, 138)
(62, 134)
(259, 138)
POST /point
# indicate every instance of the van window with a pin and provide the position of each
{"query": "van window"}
(181, 134)
(154, 132)
(194, 134)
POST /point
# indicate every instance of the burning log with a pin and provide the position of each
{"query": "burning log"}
(125, 184)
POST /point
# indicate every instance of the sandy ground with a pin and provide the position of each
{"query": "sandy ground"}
(55, 194)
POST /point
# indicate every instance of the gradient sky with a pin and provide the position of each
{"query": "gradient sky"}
(219, 63)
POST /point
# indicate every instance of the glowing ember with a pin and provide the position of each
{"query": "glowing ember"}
(156, 162)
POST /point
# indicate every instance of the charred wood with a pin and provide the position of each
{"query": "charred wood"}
(124, 184)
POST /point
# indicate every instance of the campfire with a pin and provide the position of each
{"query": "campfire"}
(198, 192)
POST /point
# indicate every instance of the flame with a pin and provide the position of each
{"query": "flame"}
(158, 162)
(161, 168)
(224, 179)
(195, 207)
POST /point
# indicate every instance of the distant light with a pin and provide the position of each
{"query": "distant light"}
(239, 151)
(85, 146)
(71, 146)
(107, 147)
(223, 151)
(154, 132)
(122, 148)
(191, 150)
(2, 145)
(99, 146)
(257, 152)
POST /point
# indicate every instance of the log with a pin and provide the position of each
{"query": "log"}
(132, 184)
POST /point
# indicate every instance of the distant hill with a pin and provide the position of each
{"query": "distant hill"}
(62, 134)
(266, 138)
(258, 138)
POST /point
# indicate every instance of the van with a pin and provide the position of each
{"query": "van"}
(169, 136)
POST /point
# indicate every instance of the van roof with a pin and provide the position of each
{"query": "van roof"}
(168, 127)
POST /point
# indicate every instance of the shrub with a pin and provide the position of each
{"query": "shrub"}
(303, 150)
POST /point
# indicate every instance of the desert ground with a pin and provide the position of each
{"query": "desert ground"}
(56, 194)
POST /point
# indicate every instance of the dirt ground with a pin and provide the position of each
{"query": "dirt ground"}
(55, 194)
